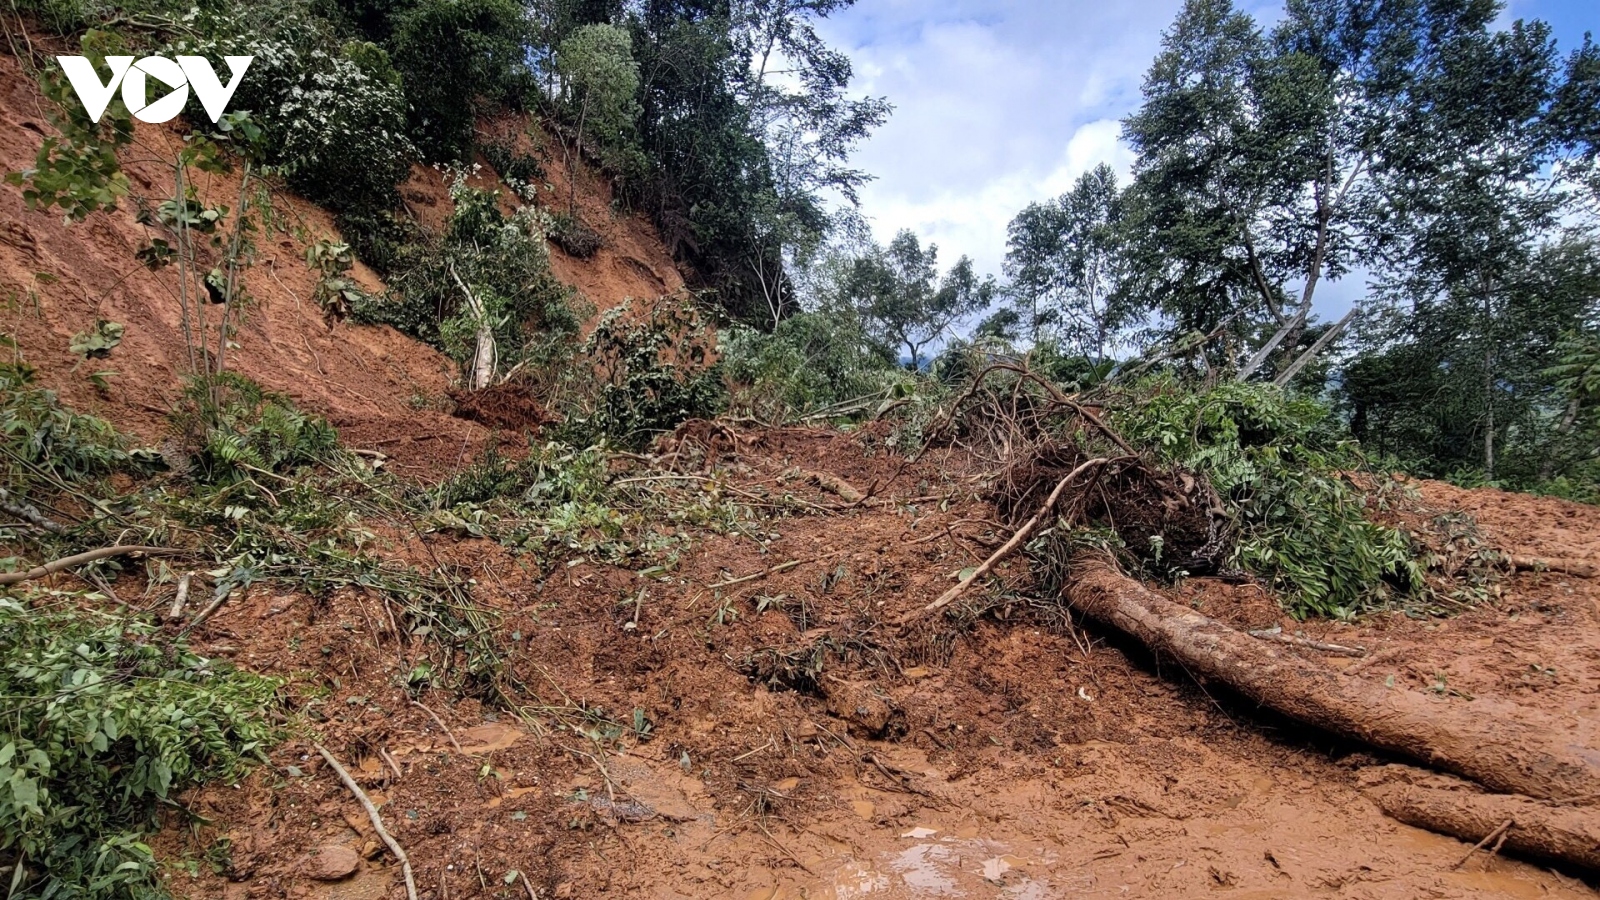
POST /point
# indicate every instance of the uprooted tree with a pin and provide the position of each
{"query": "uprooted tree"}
(1078, 489)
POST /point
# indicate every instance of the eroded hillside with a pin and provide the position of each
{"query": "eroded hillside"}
(384, 391)
(704, 666)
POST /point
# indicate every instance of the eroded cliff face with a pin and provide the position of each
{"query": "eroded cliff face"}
(382, 389)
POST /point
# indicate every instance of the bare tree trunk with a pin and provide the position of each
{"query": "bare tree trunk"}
(1569, 418)
(480, 372)
(1488, 383)
(1260, 356)
(231, 286)
(577, 159)
(1314, 350)
(1498, 745)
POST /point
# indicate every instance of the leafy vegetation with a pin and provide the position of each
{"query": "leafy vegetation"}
(809, 363)
(487, 277)
(1284, 471)
(645, 371)
(231, 428)
(78, 170)
(103, 722)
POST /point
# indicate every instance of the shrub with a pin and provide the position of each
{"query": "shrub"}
(1280, 464)
(105, 719)
(41, 438)
(513, 166)
(232, 427)
(334, 120)
(505, 262)
(642, 375)
(809, 362)
(79, 170)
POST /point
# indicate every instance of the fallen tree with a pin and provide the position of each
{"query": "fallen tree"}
(1569, 834)
(1495, 744)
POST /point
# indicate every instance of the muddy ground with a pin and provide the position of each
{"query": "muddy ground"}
(1001, 752)
(768, 738)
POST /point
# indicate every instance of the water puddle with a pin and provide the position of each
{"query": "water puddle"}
(934, 865)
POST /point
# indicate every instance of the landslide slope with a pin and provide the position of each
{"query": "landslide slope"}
(382, 389)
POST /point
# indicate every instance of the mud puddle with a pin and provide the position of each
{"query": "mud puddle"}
(1017, 832)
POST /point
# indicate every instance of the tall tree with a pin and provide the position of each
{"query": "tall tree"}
(1066, 263)
(1417, 391)
(599, 82)
(903, 300)
(1472, 204)
(1261, 155)
(748, 126)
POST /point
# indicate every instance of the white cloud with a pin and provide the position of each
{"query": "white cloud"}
(993, 109)
(1000, 103)
(971, 219)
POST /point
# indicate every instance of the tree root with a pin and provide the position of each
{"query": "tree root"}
(377, 821)
(1010, 546)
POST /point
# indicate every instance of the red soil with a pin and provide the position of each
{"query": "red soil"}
(1007, 753)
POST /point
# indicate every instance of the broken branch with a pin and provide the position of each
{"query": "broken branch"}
(1276, 634)
(79, 559)
(377, 821)
(1007, 548)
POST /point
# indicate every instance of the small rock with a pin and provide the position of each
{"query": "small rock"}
(861, 706)
(333, 862)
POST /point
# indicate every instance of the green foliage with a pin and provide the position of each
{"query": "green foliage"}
(336, 292)
(43, 441)
(1065, 259)
(452, 55)
(102, 720)
(334, 116)
(571, 234)
(1281, 468)
(232, 427)
(1454, 385)
(515, 167)
(1577, 370)
(505, 263)
(902, 300)
(601, 80)
(78, 170)
(809, 362)
(99, 341)
(735, 160)
(642, 374)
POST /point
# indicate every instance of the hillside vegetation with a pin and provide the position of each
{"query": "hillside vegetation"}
(524, 373)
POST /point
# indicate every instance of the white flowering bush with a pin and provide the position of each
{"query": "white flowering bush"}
(334, 122)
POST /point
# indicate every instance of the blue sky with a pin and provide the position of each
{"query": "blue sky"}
(1003, 102)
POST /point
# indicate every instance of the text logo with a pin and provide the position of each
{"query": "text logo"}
(134, 77)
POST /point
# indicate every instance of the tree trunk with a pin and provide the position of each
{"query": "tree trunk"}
(577, 159)
(1488, 384)
(1292, 369)
(1569, 418)
(1500, 746)
(485, 355)
(1569, 834)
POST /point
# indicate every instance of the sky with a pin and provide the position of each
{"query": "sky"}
(999, 103)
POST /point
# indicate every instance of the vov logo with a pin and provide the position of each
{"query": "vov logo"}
(134, 77)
